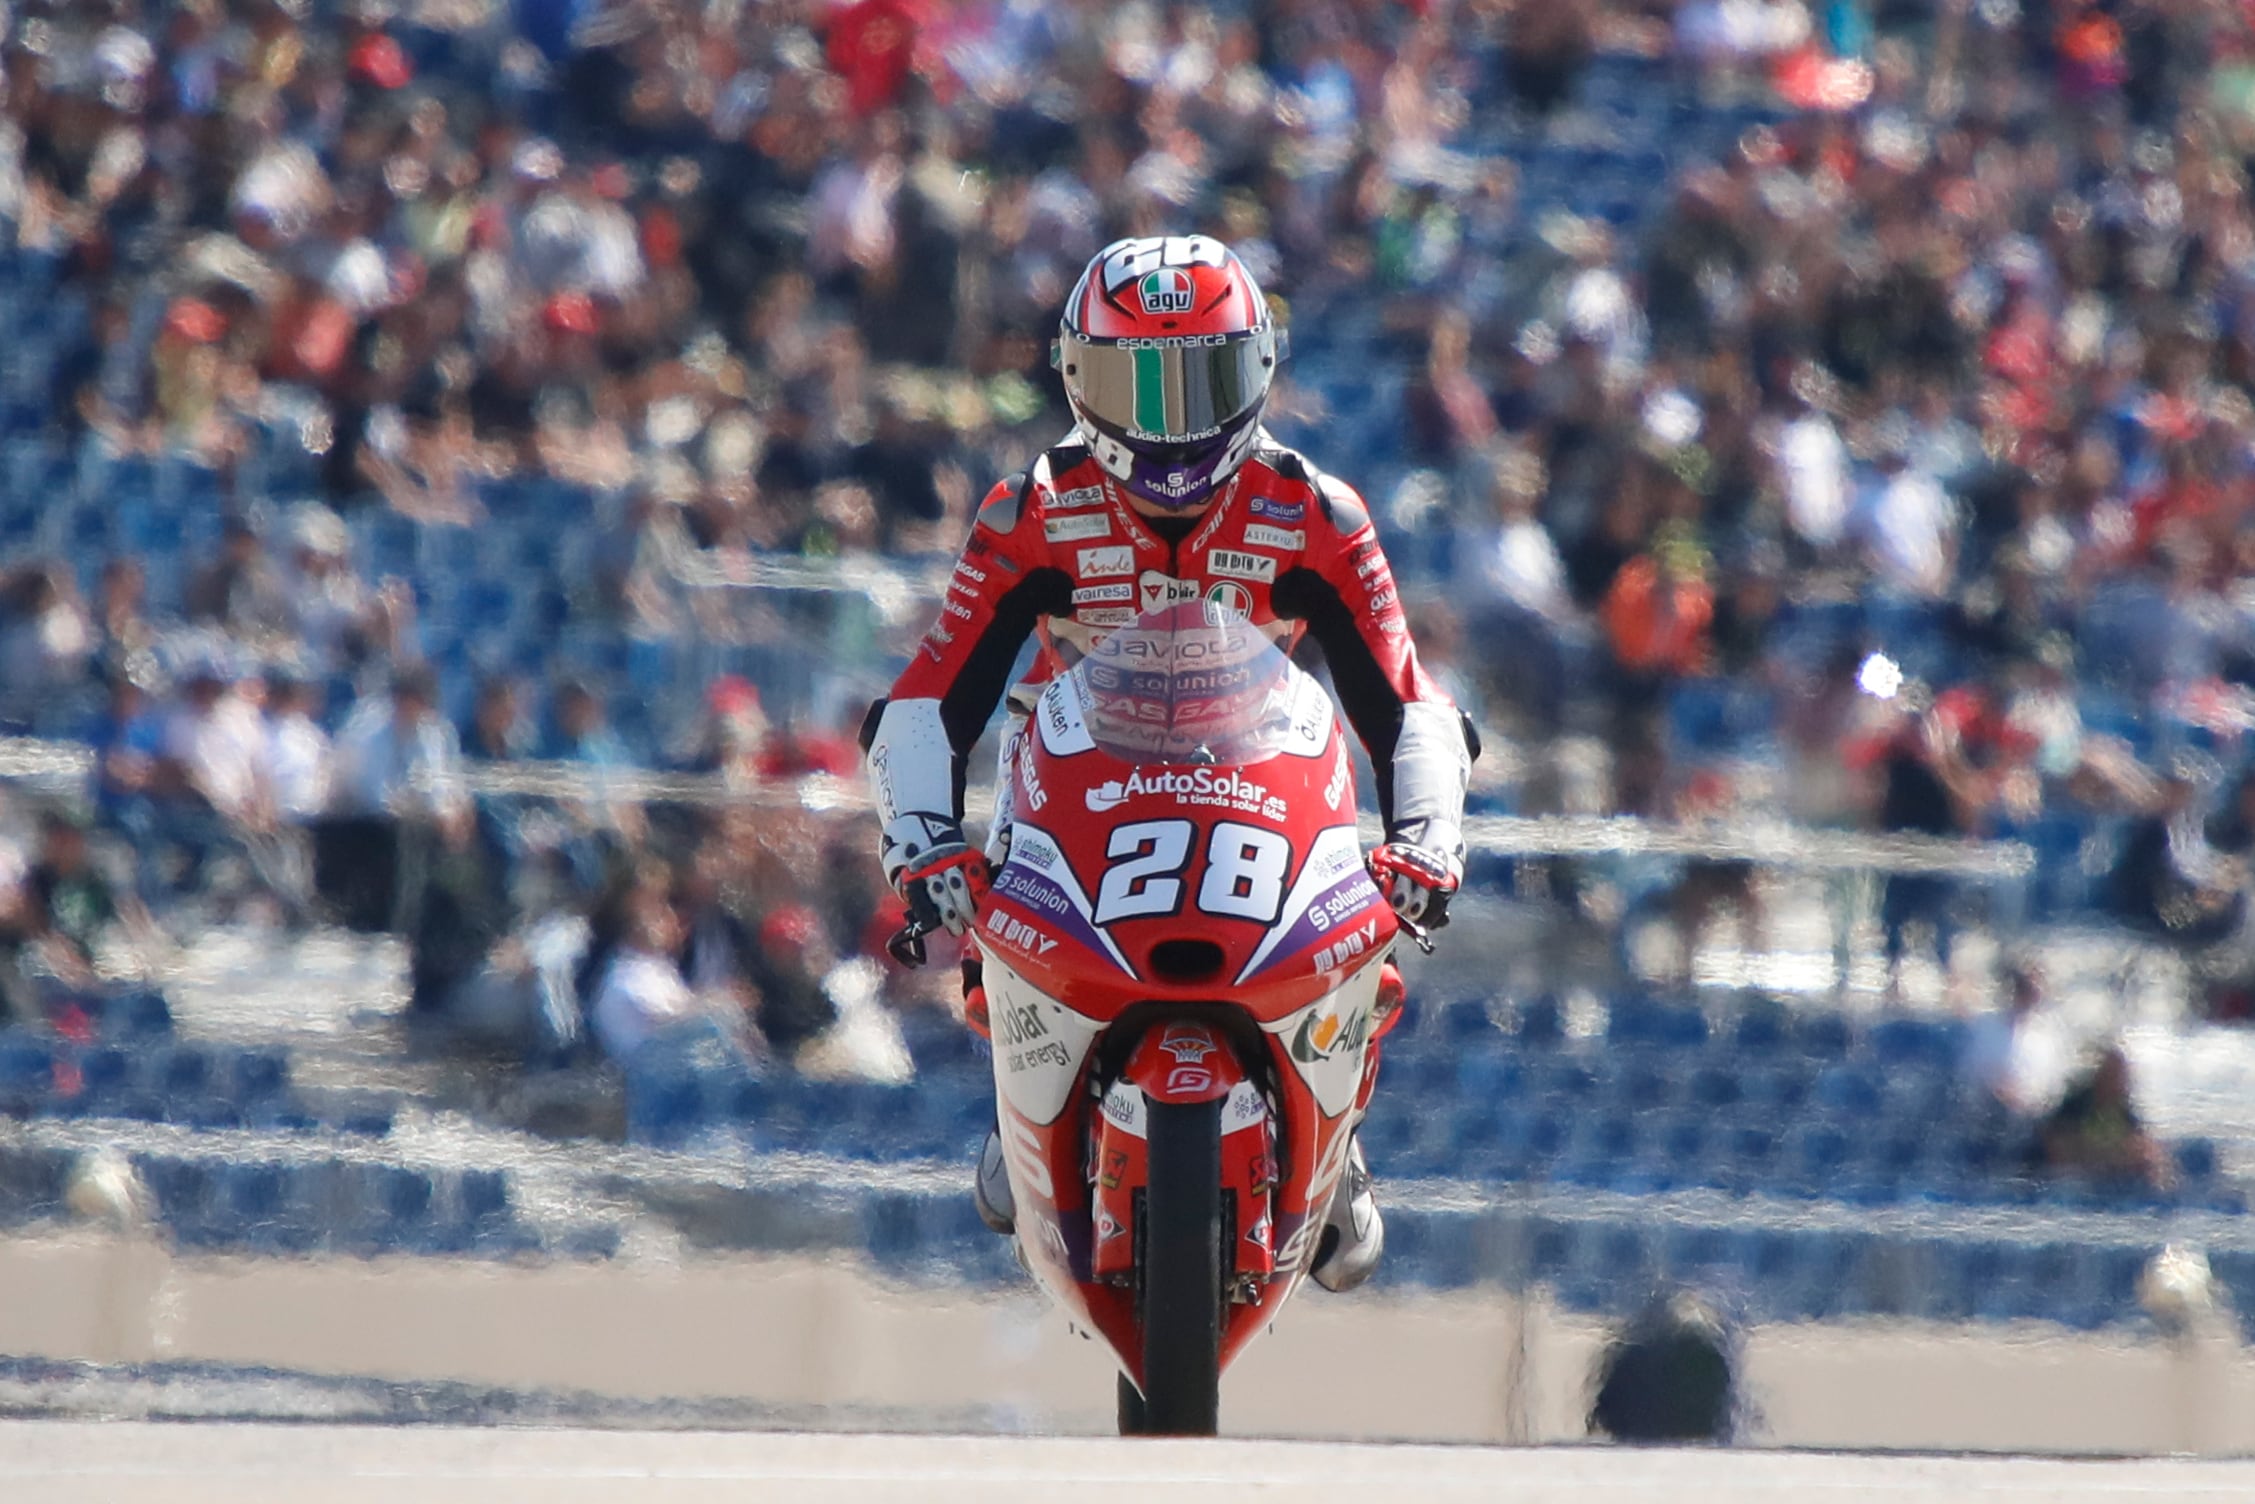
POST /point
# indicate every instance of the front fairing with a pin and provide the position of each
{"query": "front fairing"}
(1186, 859)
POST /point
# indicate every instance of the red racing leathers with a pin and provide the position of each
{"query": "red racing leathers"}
(1057, 551)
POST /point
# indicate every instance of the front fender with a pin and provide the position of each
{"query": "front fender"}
(1184, 1063)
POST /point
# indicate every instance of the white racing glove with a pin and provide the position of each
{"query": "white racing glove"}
(935, 871)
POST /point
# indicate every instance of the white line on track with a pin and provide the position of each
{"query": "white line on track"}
(128, 1463)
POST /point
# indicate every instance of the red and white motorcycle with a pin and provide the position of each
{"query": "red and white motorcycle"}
(1183, 958)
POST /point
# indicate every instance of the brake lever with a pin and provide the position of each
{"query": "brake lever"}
(907, 944)
(1417, 932)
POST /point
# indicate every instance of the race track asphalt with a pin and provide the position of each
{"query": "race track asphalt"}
(129, 1463)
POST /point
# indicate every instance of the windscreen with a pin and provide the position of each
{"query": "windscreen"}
(1188, 683)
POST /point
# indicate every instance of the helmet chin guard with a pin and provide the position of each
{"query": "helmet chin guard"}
(1178, 478)
(1168, 352)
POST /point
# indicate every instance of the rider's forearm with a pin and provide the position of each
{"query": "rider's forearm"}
(1432, 767)
(913, 768)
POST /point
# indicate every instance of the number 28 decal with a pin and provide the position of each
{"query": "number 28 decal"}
(1245, 871)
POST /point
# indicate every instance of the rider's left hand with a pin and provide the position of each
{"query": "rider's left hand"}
(1417, 881)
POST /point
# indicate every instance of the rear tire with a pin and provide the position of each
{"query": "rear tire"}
(1182, 1271)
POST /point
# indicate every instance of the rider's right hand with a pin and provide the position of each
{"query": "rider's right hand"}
(936, 872)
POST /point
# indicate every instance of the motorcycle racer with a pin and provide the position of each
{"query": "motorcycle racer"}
(1167, 489)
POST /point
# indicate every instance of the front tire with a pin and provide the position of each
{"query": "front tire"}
(1133, 1420)
(1181, 1272)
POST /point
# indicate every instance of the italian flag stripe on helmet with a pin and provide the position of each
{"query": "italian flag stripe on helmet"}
(1150, 392)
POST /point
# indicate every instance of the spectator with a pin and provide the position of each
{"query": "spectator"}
(642, 991)
(823, 1013)
(242, 591)
(298, 753)
(1926, 788)
(396, 775)
(397, 756)
(2169, 880)
(46, 639)
(128, 742)
(583, 733)
(1908, 523)
(461, 915)
(2095, 1131)
(794, 958)
(499, 730)
(2013, 1054)
(125, 638)
(1659, 609)
(68, 903)
(215, 746)
(1668, 1377)
(733, 732)
(336, 621)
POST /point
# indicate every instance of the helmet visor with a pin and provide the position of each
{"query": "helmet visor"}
(1169, 389)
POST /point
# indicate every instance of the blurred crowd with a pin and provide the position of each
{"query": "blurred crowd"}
(1886, 464)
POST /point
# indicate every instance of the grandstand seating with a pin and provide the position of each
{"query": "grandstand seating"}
(1800, 1165)
(1769, 1115)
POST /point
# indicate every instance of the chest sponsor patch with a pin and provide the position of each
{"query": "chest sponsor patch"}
(1279, 511)
(1229, 596)
(1082, 525)
(1261, 535)
(1091, 595)
(1098, 562)
(1104, 616)
(1156, 590)
(1077, 499)
(1238, 564)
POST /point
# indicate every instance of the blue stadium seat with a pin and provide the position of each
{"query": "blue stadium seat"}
(258, 1205)
(1822, 1036)
(1907, 1041)
(1817, 1155)
(1696, 1256)
(2196, 1161)
(1853, 1091)
(1712, 1087)
(1493, 1076)
(1539, 1025)
(1642, 1083)
(1680, 1143)
(1751, 1150)
(1760, 1032)
(1633, 1022)
(1599, 1150)
(136, 1014)
(1777, 1090)
(1566, 1081)
(400, 1210)
(1438, 1250)
(258, 1076)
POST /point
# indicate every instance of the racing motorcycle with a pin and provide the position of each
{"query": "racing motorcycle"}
(1183, 957)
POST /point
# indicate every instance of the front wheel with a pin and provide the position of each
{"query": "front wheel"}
(1181, 1273)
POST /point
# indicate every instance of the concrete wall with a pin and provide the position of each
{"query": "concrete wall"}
(797, 1332)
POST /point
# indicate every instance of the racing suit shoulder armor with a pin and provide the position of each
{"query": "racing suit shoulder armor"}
(1006, 503)
(1289, 463)
(1343, 507)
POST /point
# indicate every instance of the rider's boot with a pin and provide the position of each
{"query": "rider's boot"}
(990, 1185)
(1354, 1235)
(990, 1188)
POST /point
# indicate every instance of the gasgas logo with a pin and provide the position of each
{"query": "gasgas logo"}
(1196, 786)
